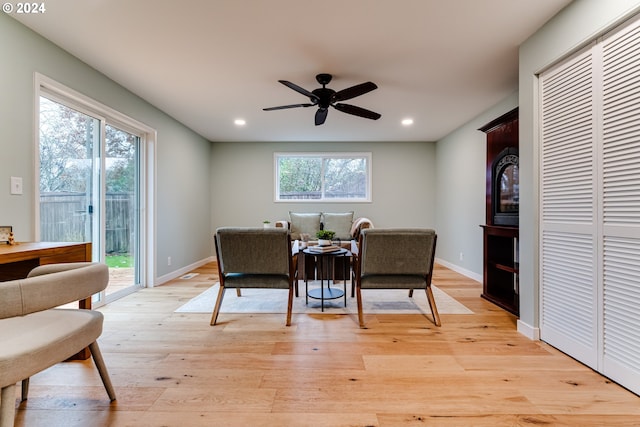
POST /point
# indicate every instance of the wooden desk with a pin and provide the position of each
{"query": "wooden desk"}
(14, 260)
(18, 260)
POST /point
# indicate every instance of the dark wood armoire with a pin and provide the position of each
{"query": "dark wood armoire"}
(500, 232)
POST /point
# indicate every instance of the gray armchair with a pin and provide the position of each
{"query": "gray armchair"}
(254, 258)
(396, 259)
(36, 336)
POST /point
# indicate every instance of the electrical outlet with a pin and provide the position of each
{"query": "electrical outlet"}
(168, 260)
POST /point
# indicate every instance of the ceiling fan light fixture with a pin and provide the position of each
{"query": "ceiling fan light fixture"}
(323, 98)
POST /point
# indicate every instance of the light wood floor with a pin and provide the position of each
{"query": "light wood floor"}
(173, 369)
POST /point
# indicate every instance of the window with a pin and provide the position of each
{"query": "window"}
(323, 177)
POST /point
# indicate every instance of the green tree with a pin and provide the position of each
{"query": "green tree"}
(67, 139)
(121, 164)
(300, 175)
(345, 178)
(66, 146)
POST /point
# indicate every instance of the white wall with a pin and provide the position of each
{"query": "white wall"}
(242, 177)
(573, 27)
(460, 192)
(183, 190)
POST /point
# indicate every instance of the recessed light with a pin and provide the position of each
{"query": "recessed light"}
(407, 122)
(240, 122)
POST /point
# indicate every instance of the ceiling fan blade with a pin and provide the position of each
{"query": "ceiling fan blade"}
(353, 91)
(282, 107)
(357, 111)
(314, 97)
(321, 115)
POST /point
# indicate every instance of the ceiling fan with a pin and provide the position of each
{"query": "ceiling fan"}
(324, 98)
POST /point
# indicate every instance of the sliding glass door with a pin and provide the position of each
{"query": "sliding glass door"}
(122, 207)
(90, 190)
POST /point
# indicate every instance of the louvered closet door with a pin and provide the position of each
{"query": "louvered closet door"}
(569, 310)
(590, 206)
(621, 206)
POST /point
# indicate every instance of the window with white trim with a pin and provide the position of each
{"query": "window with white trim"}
(323, 177)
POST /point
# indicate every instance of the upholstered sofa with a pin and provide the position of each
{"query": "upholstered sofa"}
(303, 224)
(344, 224)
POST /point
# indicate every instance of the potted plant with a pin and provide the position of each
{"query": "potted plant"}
(267, 224)
(324, 237)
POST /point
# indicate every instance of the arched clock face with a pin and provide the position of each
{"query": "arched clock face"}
(4, 233)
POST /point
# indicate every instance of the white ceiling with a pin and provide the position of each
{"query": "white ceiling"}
(208, 62)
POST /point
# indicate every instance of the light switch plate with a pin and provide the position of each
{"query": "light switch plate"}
(16, 185)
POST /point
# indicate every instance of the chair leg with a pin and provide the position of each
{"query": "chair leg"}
(216, 308)
(432, 305)
(345, 292)
(295, 273)
(359, 301)
(410, 292)
(290, 306)
(25, 389)
(8, 406)
(102, 369)
(353, 283)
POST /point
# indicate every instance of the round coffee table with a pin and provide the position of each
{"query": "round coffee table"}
(322, 259)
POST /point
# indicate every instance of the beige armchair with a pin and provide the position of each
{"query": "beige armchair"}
(254, 258)
(36, 336)
(396, 259)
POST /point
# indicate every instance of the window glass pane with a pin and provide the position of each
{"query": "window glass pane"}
(299, 177)
(323, 177)
(121, 205)
(345, 178)
(69, 146)
(509, 196)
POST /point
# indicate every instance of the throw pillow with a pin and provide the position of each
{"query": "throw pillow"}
(308, 223)
(338, 222)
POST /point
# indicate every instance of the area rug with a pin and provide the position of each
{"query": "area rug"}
(275, 301)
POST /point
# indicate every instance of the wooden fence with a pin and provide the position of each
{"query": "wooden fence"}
(67, 217)
(316, 195)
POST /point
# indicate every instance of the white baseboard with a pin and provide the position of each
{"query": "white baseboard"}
(184, 270)
(468, 273)
(528, 331)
